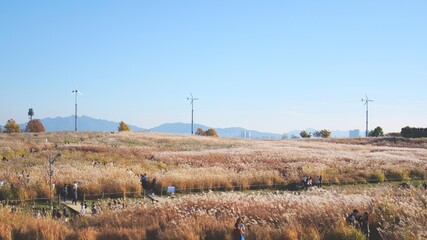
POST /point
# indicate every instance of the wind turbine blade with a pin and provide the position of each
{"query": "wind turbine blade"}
(191, 95)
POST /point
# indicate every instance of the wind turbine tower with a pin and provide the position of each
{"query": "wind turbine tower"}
(75, 92)
(192, 99)
(367, 100)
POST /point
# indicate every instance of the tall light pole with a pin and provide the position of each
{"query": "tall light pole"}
(75, 92)
(367, 100)
(51, 161)
(192, 99)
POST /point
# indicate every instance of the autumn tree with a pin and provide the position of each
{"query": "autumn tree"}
(211, 133)
(35, 126)
(123, 127)
(200, 132)
(12, 127)
(325, 133)
(305, 134)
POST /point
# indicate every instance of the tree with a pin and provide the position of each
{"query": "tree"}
(123, 127)
(322, 133)
(305, 134)
(407, 132)
(200, 132)
(377, 132)
(325, 133)
(35, 126)
(12, 127)
(211, 133)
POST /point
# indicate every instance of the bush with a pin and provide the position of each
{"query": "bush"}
(416, 183)
(375, 177)
(345, 232)
(5, 192)
(393, 175)
(416, 174)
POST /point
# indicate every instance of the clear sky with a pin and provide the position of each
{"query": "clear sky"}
(271, 66)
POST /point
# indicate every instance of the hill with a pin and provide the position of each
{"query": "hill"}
(84, 123)
(233, 132)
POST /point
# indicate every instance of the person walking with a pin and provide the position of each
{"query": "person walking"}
(74, 193)
(364, 225)
(153, 184)
(240, 227)
(65, 192)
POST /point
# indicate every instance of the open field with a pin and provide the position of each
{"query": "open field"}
(111, 162)
(395, 213)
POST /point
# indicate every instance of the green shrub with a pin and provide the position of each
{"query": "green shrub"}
(5, 192)
(416, 183)
(416, 174)
(393, 175)
(375, 177)
(345, 233)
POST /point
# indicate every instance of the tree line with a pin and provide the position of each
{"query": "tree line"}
(412, 132)
(35, 125)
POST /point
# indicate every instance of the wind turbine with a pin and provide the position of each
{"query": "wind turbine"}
(75, 92)
(192, 99)
(367, 100)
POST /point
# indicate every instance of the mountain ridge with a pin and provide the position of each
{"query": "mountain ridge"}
(86, 123)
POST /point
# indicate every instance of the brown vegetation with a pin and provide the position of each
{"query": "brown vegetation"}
(111, 162)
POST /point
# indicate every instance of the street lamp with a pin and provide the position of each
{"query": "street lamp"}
(51, 161)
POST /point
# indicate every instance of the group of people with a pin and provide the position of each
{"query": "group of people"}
(56, 214)
(359, 222)
(308, 182)
(146, 184)
(70, 189)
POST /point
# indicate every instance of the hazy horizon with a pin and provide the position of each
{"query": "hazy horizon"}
(270, 66)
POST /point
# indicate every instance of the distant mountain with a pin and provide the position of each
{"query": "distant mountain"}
(177, 128)
(234, 132)
(84, 123)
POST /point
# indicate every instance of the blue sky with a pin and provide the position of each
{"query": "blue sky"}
(267, 65)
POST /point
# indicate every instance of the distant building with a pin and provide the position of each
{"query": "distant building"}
(246, 134)
(354, 133)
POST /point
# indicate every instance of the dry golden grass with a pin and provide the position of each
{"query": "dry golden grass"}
(197, 162)
(202, 162)
(395, 213)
